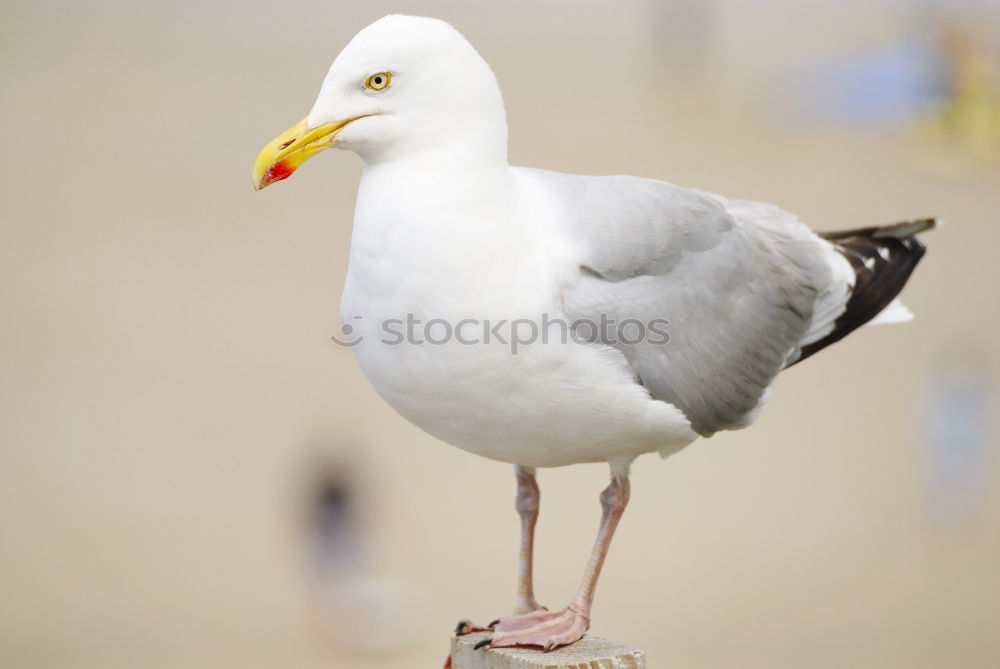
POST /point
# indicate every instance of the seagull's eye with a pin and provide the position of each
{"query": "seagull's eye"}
(378, 81)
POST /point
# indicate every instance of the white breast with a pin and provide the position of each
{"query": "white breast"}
(544, 404)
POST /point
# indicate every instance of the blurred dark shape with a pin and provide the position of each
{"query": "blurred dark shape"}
(334, 534)
(352, 607)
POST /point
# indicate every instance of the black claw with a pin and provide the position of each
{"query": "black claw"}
(494, 623)
(483, 643)
(462, 627)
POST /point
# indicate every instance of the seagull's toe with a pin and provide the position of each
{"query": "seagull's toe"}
(468, 627)
(522, 621)
(549, 631)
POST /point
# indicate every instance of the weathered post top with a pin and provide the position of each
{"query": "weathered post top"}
(590, 652)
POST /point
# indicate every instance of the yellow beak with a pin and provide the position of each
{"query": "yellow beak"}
(286, 152)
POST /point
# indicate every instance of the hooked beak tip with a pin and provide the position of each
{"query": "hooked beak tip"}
(279, 171)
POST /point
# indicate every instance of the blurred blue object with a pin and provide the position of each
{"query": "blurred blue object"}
(882, 90)
(957, 438)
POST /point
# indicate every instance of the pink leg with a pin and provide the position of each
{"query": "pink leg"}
(551, 630)
(526, 503)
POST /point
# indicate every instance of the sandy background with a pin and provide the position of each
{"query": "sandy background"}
(169, 393)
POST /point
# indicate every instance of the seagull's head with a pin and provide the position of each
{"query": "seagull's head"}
(404, 86)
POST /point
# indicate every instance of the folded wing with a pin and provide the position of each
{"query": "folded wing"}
(739, 283)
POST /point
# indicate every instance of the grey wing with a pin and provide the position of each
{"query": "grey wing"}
(734, 298)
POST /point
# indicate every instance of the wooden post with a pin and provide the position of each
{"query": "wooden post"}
(589, 652)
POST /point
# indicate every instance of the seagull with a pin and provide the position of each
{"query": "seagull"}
(553, 319)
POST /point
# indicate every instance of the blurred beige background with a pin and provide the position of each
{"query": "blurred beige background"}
(168, 389)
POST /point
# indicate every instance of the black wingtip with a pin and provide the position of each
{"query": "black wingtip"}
(898, 230)
(905, 229)
(883, 258)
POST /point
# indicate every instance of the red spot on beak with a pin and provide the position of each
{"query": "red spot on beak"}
(280, 170)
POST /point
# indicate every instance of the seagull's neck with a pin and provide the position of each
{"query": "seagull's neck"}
(433, 213)
(445, 162)
(435, 181)
(445, 191)
(466, 145)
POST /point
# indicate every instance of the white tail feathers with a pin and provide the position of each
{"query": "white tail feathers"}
(895, 312)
